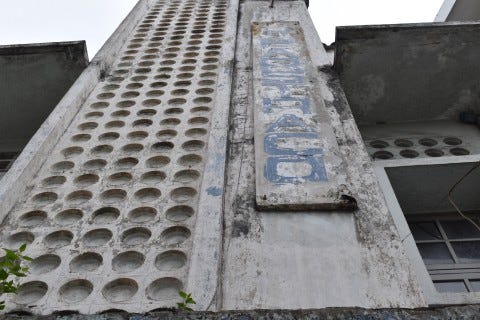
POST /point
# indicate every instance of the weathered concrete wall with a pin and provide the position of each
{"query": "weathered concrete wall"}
(307, 259)
(462, 312)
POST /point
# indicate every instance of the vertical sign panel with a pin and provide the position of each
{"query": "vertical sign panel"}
(297, 161)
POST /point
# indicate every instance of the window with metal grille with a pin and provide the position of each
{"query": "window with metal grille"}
(450, 249)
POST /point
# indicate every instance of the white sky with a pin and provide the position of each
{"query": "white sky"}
(31, 21)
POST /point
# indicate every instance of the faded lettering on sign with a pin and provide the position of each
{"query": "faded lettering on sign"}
(291, 144)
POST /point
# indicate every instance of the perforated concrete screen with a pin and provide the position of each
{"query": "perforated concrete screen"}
(110, 217)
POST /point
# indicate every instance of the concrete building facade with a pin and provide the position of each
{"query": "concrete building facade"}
(211, 146)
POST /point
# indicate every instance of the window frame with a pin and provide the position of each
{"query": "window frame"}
(432, 296)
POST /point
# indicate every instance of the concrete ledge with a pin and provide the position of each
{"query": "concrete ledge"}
(462, 312)
(17, 179)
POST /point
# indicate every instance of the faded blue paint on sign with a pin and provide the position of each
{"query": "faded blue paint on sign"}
(287, 104)
(214, 191)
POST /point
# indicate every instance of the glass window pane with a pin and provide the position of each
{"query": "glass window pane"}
(425, 231)
(435, 253)
(450, 286)
(467, 251)
(460, 229)
(475, 285)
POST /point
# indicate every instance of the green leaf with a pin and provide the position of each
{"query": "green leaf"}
(10, 255)
(182, 294)
(26, 258)
(22, 247)
(190, 300)
(3, 274)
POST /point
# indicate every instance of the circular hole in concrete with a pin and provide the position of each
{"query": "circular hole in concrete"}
(126, 104)
(200, 109)
(147, 194)
(108, 136)
(62, 166)
(183, 194)
(44, 263)
(113, 195)
(193, 145)
(99, 105)
(20, 238)
(170, 122)
(403, 143)
(155, 93)
(128, 261)
(97, 237)
(132, 148)
(378, 144)
(173, 111)
(407, 153)
(459, 151)
(75, 290)
(202, 100)
(175, 236)
(105, 215)
(130, 94)
(158, 162)
(115, 124)
(198, 121)
(158, 84)
(86, 180)
(164, 289)
(452, 141)
(137, 135)
(120, 290)
(79, 197)
(427, 142)
(106, 95)
(86, 262)
(83, 137)
(195, 132)
(190, 160)
(120, 114)
(54, 181)
(146, 113)
(186, 176)
(88, 126)
(126, 163)
(44, 198)
(95, 164)
(68, 217)
(382, 155)
(142, 123)
(58, 239)
(166, 134)
(206, 83)
(103, 149)
(162, 147)
(170, 260)
(153, 177)
(31, 292)
(135, 236)
(142, 214)
(151, 102)
(434, 152)
(32, 218)
(179, 213)
(94, 115)
(119, 178)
